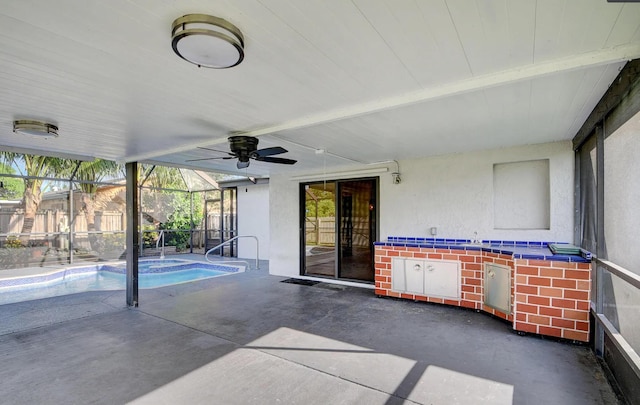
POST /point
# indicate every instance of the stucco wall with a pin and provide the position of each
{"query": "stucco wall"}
(253, 219)
(284, 256)
(453, 193)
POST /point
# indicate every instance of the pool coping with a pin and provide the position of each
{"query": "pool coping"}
(57, 273)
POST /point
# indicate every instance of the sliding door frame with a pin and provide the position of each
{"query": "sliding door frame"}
(373, 233)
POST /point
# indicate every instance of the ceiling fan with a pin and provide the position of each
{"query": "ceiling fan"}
(246, 147)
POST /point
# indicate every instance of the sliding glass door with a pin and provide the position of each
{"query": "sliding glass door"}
(339, 226)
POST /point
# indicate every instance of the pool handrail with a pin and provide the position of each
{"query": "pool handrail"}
(161, 237)
(206, 255)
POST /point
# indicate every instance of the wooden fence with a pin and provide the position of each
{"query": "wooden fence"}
(54, 221)
(322, 231)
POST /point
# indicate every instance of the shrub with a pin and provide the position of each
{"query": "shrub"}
(113, 242)
(13, 242)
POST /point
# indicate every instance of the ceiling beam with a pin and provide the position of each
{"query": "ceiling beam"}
(623, 87)
(522, 73)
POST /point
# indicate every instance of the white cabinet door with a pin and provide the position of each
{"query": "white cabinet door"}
(414, 276)
(398, 282)
(436, 278)
(442, 278)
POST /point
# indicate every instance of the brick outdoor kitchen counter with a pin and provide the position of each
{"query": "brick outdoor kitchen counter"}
(549, 294)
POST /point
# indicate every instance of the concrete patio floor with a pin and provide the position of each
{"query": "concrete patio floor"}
(249, 338)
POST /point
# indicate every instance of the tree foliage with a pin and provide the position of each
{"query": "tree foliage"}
(320, 204)
(171, 210)
(35, 168)
(88, 174)
(12, 188)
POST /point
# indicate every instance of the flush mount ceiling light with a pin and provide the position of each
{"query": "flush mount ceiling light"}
(35, 128)
(207, 41)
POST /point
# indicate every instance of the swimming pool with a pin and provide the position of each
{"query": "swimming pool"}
(107, 277)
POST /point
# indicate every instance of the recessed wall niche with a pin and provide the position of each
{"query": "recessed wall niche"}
(521, 195)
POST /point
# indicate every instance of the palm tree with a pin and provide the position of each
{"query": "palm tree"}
(164, 177)
(159, 200)
(35, 168)
(88, 174)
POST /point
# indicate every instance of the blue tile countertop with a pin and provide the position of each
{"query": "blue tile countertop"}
(517, 249)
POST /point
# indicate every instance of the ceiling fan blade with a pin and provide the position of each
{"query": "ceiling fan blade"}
(197, 160)
(242, 165)
(216, 150)
(210, 158)
(276, 160)
(276, 150)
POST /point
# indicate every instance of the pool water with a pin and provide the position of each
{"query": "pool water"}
(154, 280)
(151, 274)
(104, 280)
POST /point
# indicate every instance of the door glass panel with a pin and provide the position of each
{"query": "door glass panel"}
(212, 220)
(221, 221)
(357, 229)
(229, 221)
(319, 229)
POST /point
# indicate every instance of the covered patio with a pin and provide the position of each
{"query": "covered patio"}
(485, 123)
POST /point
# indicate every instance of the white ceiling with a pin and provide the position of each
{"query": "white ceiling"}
(364, 80)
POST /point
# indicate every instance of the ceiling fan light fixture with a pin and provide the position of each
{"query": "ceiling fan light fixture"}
(244, 148)
(207, 41)
(33, 128)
